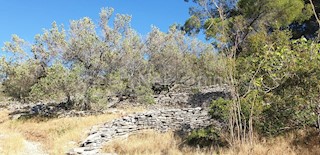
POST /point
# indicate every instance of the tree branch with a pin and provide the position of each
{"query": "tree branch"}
(314, 12)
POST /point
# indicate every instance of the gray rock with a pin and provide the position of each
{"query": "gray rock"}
(186, 119)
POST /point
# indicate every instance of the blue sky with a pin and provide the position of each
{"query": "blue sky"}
(26, 18)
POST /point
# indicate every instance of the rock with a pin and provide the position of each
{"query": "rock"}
(185, 119)
(76, 151)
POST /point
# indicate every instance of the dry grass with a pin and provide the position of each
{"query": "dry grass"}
(11, 143)
(57, 136)
(150, 143)
(278, 146)
(304, 142)
(166, 143)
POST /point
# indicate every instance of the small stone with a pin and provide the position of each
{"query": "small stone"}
(76, 150)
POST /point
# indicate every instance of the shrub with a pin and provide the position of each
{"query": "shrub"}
(220, 109)
(206, 137)
(145, 95)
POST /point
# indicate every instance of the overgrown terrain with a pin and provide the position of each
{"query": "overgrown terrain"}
(267, 52)
(55, 136)
(150, 142)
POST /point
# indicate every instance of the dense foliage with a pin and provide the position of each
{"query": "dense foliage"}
(272, 51)
(88, 63)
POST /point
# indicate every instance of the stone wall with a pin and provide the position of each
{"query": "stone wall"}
(185, 119)
(48, 110)
(188, 98)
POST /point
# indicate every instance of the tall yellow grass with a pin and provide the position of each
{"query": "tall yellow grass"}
(151, 143)
(154, 143)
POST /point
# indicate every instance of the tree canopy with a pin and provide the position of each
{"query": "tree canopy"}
(249, 18)
(272, 54)
(89, 62)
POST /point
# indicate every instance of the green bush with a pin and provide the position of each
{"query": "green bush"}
(220, 109)
(58, 85)
(206, 137)
(21, 78)
(145, 95)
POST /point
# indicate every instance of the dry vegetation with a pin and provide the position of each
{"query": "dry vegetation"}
(153, 143)
(150, 143)
(11, 143)
(57, 136)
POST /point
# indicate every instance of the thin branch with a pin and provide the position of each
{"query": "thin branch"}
(314, 12)
(252, 78)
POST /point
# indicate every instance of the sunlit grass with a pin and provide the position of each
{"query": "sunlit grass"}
(151, 143)
(57, 136)
(11, 143)
(154, 143)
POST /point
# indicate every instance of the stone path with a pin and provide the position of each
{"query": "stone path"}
(32, 148)
(185, 119)
(1, 136)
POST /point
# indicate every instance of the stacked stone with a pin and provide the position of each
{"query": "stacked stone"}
(173, 99)
(215, 88)
(49, 110)
(189, 100)
(183, 99)
(186, 119)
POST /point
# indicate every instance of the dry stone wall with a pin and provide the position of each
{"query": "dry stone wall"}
(47, 110)
(185, 119)
(188, 98)
(191, 112)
